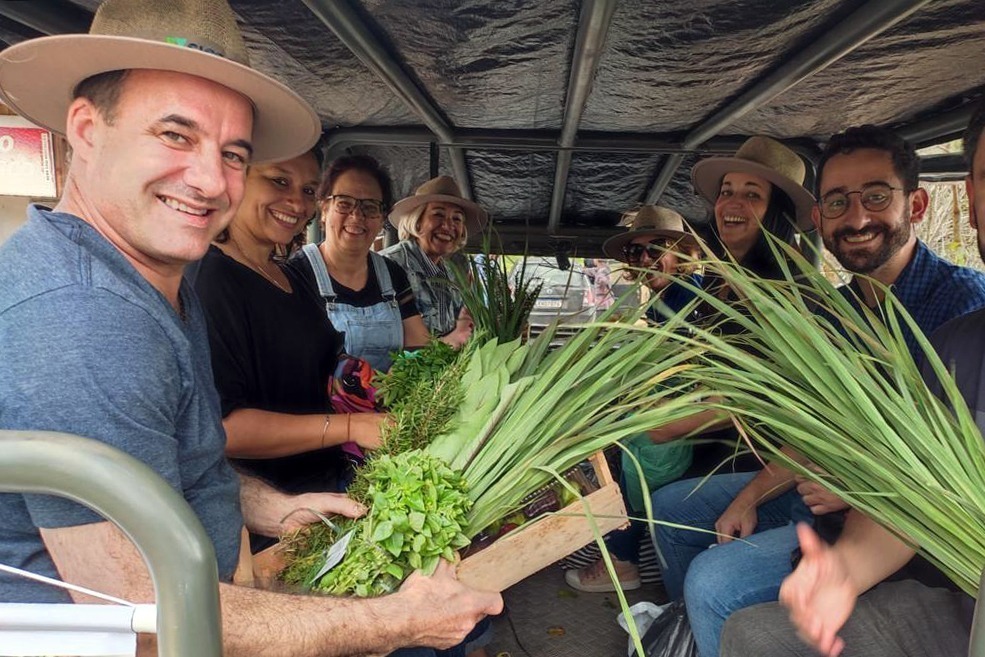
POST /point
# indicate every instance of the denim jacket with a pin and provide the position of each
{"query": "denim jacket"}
(438, 298)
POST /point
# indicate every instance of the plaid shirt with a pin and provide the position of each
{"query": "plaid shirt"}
(933, 291)
(437, 296)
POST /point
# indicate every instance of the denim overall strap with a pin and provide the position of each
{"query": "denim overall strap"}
(371, 332)
(325, 288)
(383, 277)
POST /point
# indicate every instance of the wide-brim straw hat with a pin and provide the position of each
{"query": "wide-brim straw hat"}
(196, 37)
(442, 189)
(651, 221)
(764, 157)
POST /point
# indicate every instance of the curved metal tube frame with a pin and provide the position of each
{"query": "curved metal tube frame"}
(169, 536)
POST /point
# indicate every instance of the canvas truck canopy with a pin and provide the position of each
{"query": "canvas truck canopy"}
(557, 116)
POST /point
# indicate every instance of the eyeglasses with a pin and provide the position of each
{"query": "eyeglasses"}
(369, 207)
(655, 249)
(873, 198)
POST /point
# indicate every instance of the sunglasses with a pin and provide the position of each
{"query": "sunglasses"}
(654, 249)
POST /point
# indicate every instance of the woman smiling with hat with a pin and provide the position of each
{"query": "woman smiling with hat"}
(659, 249)
(760, 188)
(434, 224)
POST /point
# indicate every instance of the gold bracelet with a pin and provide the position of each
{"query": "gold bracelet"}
(324, 430)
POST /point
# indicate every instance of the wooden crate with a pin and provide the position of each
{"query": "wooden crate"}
(539, 543)
(522, 553)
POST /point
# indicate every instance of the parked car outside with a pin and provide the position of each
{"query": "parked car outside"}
(566, 296)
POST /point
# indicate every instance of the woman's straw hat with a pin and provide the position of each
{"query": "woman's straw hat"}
(442, 189)
(651, 221)
(764, 157)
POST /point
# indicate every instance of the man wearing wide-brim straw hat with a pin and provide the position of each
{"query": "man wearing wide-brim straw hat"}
(163, 114)
(433, 225)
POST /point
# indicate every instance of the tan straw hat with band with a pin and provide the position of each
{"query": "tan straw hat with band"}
(196, 37)
(764, 157)
(651, 221)
(442, 189)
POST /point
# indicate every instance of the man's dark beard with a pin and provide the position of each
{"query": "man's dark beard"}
(863, 262)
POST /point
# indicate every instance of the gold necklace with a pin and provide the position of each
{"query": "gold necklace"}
(255, 268)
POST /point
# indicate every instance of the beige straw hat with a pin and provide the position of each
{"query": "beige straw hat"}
(197, 37)
(442, 189)
(764, 157)
(650, 220)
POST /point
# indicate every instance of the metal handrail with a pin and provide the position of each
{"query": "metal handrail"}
(168, 534)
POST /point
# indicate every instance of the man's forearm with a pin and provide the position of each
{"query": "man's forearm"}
(264, 507)
(265, 624)
(262, 624)
(770, 482)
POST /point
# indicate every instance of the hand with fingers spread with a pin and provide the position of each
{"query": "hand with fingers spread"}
(820, 594)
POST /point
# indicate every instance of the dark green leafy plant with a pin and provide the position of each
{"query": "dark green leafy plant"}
(499, 307)
(409, 369)
(417, 516)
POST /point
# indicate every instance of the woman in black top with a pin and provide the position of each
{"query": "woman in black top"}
(273, 349)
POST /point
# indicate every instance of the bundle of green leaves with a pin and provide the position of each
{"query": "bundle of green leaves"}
(409, 370)
(836, 382)
(417, 512)
(499, 306)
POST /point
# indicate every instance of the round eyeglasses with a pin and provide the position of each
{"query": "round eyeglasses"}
(874, 198)
(369, 207)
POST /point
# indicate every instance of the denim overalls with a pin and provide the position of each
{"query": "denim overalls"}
(371, 333)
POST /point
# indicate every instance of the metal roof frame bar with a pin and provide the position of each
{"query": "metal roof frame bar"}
(338, 140)
(868, 21)
(343, 20)
(934, 129)
(593, 27)
(48, 16)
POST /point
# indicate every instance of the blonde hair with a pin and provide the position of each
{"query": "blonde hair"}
(410, 226)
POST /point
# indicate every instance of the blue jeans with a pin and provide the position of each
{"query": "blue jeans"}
(727, 577)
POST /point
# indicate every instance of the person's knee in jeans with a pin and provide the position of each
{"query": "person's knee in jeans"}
(671, 543)
(733, 576)
(713, 589)
(695, 504)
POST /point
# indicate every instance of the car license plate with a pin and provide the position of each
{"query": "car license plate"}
(548, 303)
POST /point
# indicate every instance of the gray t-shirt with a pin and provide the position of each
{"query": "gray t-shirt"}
(89, 347)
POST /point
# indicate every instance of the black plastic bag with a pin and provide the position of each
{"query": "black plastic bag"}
(670, 634)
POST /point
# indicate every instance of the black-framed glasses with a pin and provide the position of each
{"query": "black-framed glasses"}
(370, 208)
(874, 198)
(655, 249)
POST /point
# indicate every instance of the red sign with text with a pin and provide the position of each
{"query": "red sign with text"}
(27, 160)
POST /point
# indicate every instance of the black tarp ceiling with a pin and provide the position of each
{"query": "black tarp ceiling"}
(496, 80)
